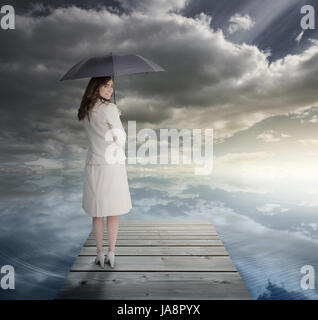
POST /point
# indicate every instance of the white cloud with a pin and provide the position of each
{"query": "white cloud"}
(271, 136)
(313, 225)
(243, 157)
(270, 209)
(309, 203)
(308, 142)
(154, 6)
(43, 163)
(239, 22)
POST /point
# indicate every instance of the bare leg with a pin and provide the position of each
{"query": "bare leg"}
(98, 227)
(112, 230)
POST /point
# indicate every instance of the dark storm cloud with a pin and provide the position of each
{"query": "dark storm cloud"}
(210, 81)
(44, 7)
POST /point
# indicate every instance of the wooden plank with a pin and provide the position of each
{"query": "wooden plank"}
(158, 263)
(160, 251)
(154, 285)
(159, 242)
(158, 237)
(167, 232)
(166, 226)
(163, 222)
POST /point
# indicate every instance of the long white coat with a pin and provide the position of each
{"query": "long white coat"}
(106, 190)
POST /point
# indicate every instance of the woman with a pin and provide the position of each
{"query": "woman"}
(105, 191)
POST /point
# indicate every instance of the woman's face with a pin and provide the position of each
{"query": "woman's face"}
(106, 90)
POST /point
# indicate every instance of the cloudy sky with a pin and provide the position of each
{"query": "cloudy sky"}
(244, 68)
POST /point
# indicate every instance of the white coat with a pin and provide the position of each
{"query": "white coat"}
(105, 191)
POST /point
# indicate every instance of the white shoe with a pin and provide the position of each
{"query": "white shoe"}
(111, 258)
(100, 258)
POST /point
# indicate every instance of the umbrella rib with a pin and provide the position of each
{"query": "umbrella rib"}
(150, 63)
(113, 67)
(113, 64)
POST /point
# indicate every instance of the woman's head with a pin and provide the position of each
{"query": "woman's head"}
(97, 88)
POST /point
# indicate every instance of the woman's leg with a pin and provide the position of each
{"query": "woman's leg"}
(112, 230)
(98, 227)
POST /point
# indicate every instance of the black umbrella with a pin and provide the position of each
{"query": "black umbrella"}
(111, 65)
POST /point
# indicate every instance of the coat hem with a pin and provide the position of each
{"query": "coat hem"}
(107, 215)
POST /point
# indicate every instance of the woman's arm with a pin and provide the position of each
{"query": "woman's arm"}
(114, 123)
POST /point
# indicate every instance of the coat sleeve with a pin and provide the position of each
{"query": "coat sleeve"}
(114, 124)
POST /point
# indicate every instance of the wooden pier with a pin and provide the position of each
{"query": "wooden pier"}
(157, 259)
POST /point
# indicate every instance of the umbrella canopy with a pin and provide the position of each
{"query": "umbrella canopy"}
(111, 65)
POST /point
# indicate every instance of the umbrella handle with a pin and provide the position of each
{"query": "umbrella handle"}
(114, 90)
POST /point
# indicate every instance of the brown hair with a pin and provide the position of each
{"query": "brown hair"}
(90, 96)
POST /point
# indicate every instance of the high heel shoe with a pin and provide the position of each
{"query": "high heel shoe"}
(100, 258)
(111, 258)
